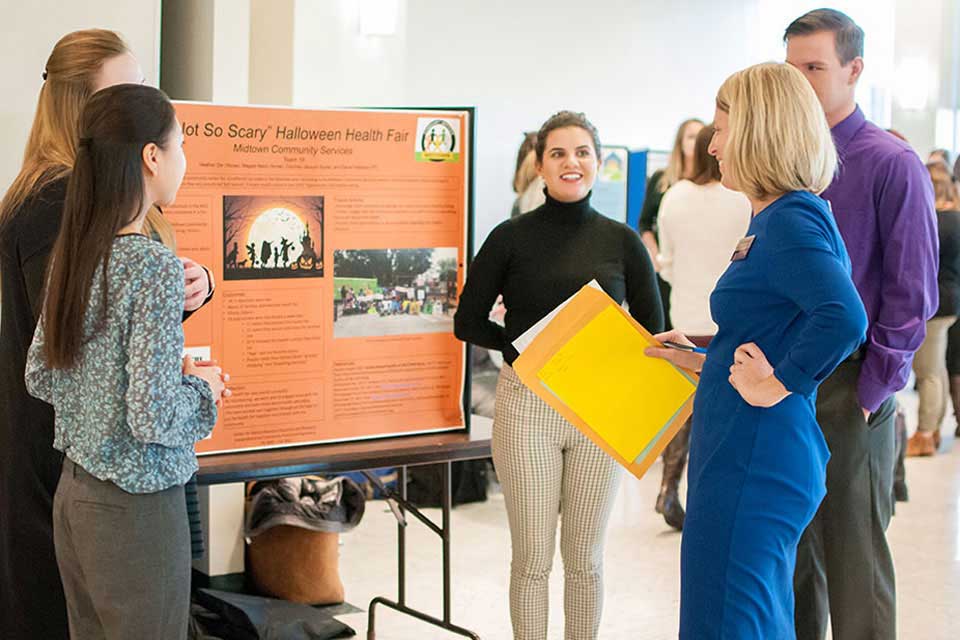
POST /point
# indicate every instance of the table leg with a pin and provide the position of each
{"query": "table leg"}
(446, 502)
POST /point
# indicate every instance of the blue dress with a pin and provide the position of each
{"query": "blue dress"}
(757, 476)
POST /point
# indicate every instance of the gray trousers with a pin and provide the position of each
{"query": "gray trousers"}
(844, 566)
(124, 559)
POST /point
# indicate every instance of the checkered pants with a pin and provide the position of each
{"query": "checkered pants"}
(544, 462)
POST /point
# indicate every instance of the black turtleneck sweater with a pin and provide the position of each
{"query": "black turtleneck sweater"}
(540, 259)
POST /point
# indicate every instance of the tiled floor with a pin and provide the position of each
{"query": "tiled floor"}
(642, 563)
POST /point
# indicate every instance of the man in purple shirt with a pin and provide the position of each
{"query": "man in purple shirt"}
(882, 199)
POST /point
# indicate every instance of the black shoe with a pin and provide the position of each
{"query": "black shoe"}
(668, 504)
(900, 493)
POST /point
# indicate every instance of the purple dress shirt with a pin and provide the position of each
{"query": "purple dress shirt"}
(882, 199)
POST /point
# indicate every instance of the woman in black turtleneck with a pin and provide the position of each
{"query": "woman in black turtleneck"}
(536, 261)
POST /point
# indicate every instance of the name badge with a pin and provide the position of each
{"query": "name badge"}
(743, 248)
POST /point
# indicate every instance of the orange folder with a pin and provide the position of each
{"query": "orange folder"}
(588, 364)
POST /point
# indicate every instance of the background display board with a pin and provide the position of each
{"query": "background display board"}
(338, 240)
(610, 189)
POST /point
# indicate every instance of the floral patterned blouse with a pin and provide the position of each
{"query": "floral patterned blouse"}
(124, 411)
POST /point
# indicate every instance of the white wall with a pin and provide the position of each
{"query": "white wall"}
(186, 51)
(334, 65)
(637, 68)
(272, 36)
(925, 76)
(32, 28)
(231, 51)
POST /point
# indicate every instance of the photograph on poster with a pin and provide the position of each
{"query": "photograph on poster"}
(272, 237)
(383, 292)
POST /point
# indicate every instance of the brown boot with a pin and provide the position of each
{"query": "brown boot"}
(674, 461)
(920, 444)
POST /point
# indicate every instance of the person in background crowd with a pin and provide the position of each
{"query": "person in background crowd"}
(700, 223)
(531, 187)
(930, 364)
(679, 166)
(943, 157)
(526, 183)
(953, 345)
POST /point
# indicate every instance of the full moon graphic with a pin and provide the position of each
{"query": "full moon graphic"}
(273, 226)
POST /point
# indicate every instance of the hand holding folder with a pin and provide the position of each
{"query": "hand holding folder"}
(586, 360)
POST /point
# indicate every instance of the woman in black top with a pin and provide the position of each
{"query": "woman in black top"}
(31, 596)
(536, 261)
(928, 363)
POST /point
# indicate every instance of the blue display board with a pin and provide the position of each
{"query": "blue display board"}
(636, 186)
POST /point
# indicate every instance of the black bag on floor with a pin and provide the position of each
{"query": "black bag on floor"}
(243, 617)
(468, 481)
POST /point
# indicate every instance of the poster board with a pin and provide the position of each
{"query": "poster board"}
(338, 240)
(643, 164)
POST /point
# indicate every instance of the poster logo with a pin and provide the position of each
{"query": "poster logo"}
(438, 140)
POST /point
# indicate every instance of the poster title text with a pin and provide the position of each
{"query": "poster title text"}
(292, 132)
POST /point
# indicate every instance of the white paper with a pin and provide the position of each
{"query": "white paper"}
(528, 336)
(197, 353)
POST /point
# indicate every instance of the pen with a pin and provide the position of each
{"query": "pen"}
(685, 347)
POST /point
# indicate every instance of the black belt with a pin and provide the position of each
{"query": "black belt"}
(858, 355)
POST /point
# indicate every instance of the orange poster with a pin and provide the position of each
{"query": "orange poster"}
(337, 239)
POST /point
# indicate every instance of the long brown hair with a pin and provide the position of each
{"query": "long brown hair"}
(674, 171)
(528, 144)
(51, 148)
(706, 169)
(105, 194)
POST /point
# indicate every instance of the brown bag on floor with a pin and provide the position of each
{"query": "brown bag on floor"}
(293, 528)
(297, 564)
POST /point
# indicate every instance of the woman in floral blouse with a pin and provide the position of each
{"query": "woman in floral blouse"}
(107, 355)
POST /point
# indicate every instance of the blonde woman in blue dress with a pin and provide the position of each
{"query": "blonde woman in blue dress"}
(787, 313)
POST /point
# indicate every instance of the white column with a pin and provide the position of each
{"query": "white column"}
(221, 510)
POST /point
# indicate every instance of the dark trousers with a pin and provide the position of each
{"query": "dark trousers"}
(124, 559)
(953, 349)
(31, 596)
(844, 566)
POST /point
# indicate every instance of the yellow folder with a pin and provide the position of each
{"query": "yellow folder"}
(588, 364)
